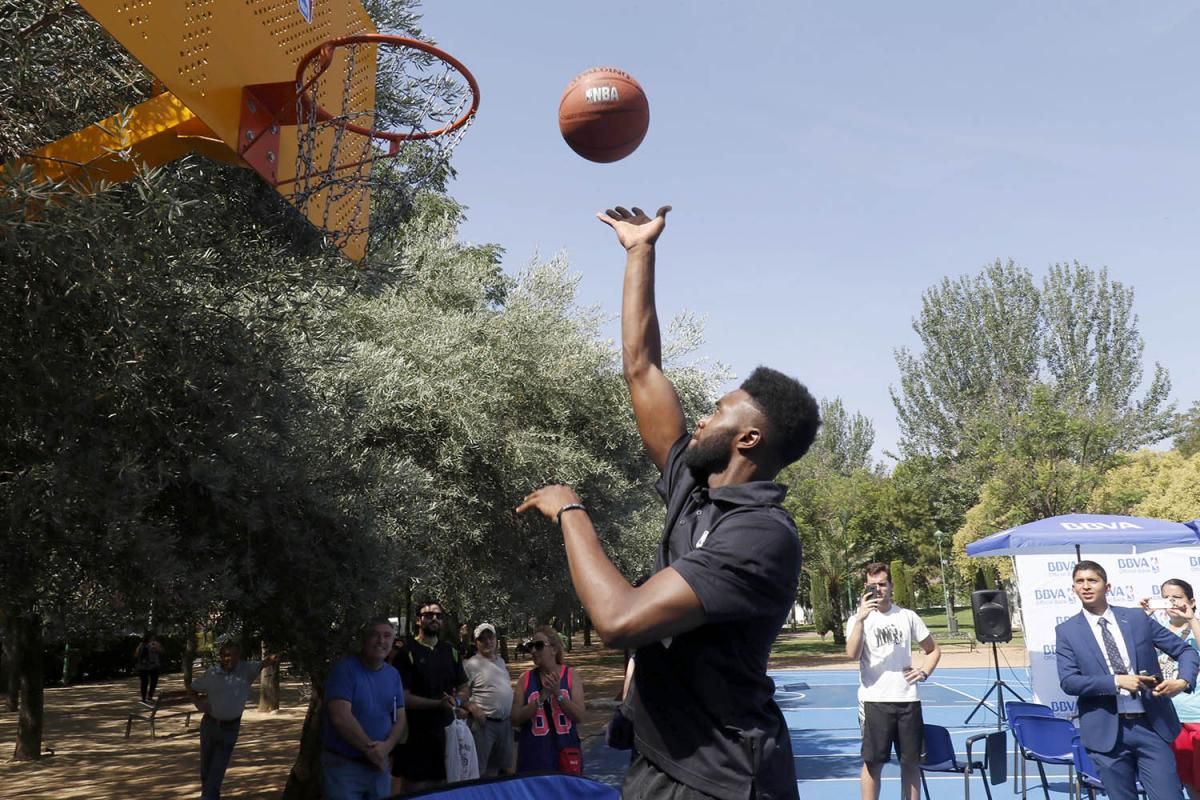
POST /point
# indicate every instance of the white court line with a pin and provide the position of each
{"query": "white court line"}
(957, 691)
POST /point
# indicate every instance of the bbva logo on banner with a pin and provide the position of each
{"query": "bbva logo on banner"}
(1100, 526)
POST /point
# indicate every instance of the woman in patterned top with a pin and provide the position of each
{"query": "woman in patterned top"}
(547, 708)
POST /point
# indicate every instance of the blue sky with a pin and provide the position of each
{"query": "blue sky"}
(829, 162)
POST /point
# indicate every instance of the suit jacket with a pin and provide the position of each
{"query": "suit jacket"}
(1083, 672)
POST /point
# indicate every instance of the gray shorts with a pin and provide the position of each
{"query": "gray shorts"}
(493, 745)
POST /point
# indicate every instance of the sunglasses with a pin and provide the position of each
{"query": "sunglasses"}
(431, 615)
(537, 645)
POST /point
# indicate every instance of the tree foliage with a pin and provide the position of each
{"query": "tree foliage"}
(989, 341)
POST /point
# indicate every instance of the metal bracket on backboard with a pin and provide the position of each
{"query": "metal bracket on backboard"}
(265, 107)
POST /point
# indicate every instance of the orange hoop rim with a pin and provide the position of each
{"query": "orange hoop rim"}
(324, 53)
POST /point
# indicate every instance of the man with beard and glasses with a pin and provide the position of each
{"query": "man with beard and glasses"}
(704, 719)
(435, 689)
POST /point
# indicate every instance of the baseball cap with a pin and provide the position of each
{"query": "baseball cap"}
(486, 626)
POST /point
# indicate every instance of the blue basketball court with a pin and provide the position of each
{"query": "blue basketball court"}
(821, 709)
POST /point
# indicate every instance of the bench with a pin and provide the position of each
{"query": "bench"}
(962, 638)
(165, 705)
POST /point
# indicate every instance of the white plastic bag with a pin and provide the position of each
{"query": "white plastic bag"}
(461, 762)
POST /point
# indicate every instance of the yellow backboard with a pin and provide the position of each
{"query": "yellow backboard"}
(205, 52)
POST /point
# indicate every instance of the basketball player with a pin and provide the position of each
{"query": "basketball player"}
(704, 719)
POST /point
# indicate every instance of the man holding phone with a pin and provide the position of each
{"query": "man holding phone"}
(881, 635)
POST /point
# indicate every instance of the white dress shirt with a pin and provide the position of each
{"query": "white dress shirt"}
(1126, 702)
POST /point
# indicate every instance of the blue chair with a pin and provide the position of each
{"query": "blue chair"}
(1016, 708)
(1087, 776)
(940, 757)
(1044, 740)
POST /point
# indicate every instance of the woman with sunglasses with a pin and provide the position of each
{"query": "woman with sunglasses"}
(1180, 612)
(547, 708)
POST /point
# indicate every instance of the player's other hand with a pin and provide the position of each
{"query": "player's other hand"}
(549, 500)
(635, 228)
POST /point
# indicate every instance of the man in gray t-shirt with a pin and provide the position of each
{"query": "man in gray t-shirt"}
(490, 704)
(221, 693)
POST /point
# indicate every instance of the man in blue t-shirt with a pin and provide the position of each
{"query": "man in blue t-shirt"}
(364, 719)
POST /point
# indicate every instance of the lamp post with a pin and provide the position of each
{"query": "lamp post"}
(951, 621)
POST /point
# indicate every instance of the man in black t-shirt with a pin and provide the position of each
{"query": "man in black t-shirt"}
(435, 690)
(704, 720)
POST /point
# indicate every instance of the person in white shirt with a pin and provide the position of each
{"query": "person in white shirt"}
(881, 635)
(490, 704)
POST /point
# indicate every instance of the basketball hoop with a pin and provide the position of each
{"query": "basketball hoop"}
(393, 116)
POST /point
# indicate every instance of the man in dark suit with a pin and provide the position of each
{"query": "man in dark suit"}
(1126, 720)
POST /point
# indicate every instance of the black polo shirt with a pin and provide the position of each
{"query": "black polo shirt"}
(429, 672)
(702, 704)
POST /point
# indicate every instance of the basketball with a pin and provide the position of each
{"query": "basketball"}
(603, 114)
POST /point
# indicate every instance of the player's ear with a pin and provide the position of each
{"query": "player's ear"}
(749, 438)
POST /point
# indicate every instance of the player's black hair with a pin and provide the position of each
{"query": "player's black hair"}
(791, 411)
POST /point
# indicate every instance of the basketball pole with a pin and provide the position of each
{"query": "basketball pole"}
(998, 686)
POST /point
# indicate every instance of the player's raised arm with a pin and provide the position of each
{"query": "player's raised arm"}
(655, 404)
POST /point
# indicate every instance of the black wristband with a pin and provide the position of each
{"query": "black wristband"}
(568, 507)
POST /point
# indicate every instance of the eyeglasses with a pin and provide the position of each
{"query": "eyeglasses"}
(431, 615)
(537, 644)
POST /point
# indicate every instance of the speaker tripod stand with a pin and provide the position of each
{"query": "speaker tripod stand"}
(998, 687)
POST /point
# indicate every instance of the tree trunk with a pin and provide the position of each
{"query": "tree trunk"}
(11, 671)
(587, 631)
(66, 674)
(304, 781)
(28, 665)
(189, 653)
(268, 696)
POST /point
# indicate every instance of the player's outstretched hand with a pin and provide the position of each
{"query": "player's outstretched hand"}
(635, 228)
(549, 500)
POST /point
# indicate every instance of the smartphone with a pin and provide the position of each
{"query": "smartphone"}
(1159, 603)
(872, 592)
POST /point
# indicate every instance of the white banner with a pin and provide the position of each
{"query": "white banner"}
(1044, 583)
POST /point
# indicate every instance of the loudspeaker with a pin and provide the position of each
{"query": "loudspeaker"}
(990, 610)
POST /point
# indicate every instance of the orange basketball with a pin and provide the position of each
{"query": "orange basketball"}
(603, 114)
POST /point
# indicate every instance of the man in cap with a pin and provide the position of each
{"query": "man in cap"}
(490, 704)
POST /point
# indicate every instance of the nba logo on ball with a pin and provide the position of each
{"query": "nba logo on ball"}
(603, 114)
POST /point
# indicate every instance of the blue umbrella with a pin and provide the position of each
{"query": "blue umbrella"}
(1102, 533)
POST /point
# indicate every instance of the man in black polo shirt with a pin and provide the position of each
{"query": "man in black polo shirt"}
(704, 719)
(435, 689)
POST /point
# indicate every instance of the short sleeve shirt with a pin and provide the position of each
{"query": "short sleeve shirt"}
(491, 685)
(429, 672)
(375, 697)
(227, 691)
(702, 703)
(888, 638)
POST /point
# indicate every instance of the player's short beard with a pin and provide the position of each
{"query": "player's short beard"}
(708, 456)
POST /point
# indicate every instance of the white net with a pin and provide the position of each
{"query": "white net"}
(372, 114)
